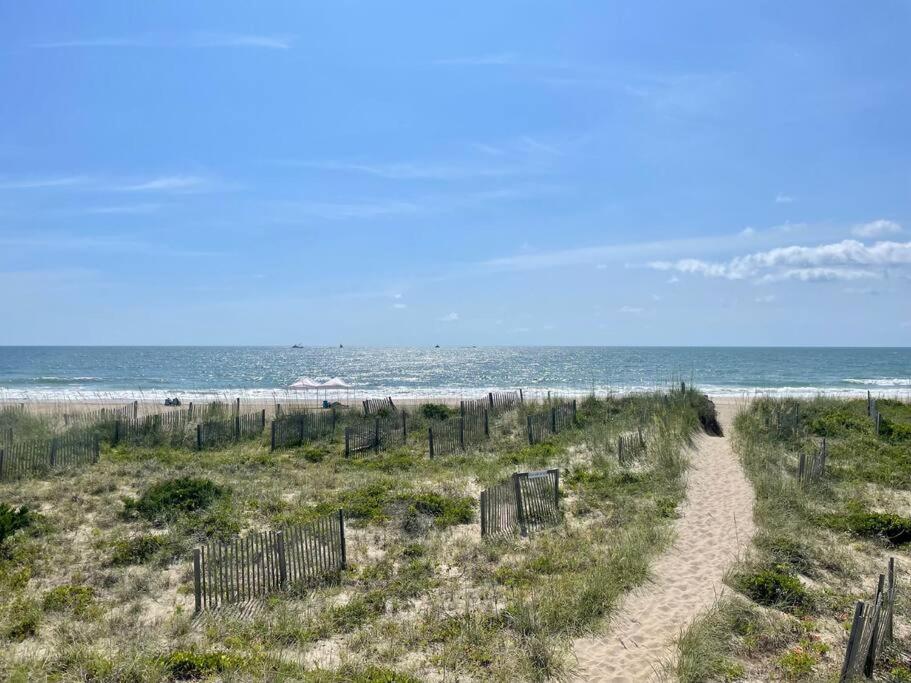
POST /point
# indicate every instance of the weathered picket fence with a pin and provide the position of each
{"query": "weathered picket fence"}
(525, 502)
(25, 458)
(152, 430)
(264, 562)
(630, 447)
(780, 418)
(556, 419)
(874, 414)
(501, 401)
(457, 435)
(871, 628)
(93, 417)
(220, 432)
(377, 433)
(375, 406)
(296, 429)
(812, 468)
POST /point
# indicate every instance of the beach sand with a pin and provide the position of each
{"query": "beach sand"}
(714, 528)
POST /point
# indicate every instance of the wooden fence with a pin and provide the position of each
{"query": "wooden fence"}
(219, 433)
(525, 502)
(375, 406)
(630, 447)
(377, 433)
(874, 414)
(501, 401)
(556, 419)
(455, 435)
(265, 562)
(870, 629)
(296, 429)
(21, 459)
(812, 468)
(152, 430)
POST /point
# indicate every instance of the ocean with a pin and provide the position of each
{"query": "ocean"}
(56, 373)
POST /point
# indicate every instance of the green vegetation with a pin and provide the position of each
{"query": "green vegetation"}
(11, 520)
(106, 585)
(819, 546)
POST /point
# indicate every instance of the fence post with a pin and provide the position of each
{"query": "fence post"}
(878, 605)
(197, 582)
(620, 449)
(347, 436)
(404, 428)
(272, 440)
(521, 397)
(556, 473)
(483, 513)
(553, 420)
(116, 431)
(856, 627)
(801, 465)
(190, 411)
(280, 547)
(486, 424)
(890, 592)
(237, 427)
(520, 509)
(376, 434)
(490, 398)
(366, 411)
(878, 421)
(1, 464)
(869, 412)
(199, 437)
(462, 433)
(135, 409)
(430, 440)
(574, 411)
(52, 456)
(341, 536)
(528, 422)
(262, 420)
(96, 451)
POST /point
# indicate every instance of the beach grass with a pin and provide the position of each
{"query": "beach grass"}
(97, 584)
(819, 545)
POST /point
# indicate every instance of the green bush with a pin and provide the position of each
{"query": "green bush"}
(773, 586)
(23, 620)
(11, 520)
(890, 527)
(185, 665)
(69, 598)
(137, 550)
(368, 502)
(445, 510)
(436, 411)
(313, 453)
(167, 499)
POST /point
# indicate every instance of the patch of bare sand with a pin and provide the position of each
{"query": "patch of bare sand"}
(714, 528)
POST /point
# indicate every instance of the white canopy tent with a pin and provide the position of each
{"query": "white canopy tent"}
(310, 384)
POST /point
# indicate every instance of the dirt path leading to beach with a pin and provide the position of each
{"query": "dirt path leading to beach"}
(715, 525)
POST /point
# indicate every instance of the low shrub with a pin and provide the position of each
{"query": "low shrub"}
(446, 510)
(69, 598)
(12, 519)
(167, 499)
(773, 586)
(24, 619)
(436, 411)
(187, 665)
(136, 550)
(890, 527)
(313, 453)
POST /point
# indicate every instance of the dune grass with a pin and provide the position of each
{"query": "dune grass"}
(98, 584)
(819, 547)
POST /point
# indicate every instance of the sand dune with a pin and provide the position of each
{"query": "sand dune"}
(714, 527)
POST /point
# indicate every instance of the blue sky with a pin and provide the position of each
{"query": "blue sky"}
(471, 173)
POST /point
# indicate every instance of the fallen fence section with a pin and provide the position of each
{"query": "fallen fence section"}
(525, 502)
(375, 406)
(21, 459)
(812, 468)
(870, 629)
(377, 434)
(265, 562)
(630, 447)
(456, 435)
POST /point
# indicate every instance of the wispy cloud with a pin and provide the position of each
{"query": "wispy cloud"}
(399, 305)
(783, 198)
(450, 317)
(193, 40)
(41, 183)
(166, 183)
(96, 243)
(845, 260)
(123, 210)
(878, 228)
(631, 310)
(413, 170)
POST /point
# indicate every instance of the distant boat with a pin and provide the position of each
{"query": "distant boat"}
(341, 346)
(297, 346)
(437, 346)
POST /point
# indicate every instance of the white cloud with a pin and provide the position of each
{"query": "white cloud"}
(601, 266)
(673, 280)
(128, 209)
(783, 198)
(845, 260)
(450, 317)
(878, 228)
(765, 299)
(748, 232)
(656, 297)
(400, 306)
(397, 295)
(634, 310)
(166, 183)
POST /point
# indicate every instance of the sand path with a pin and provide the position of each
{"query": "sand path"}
(715, 524)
